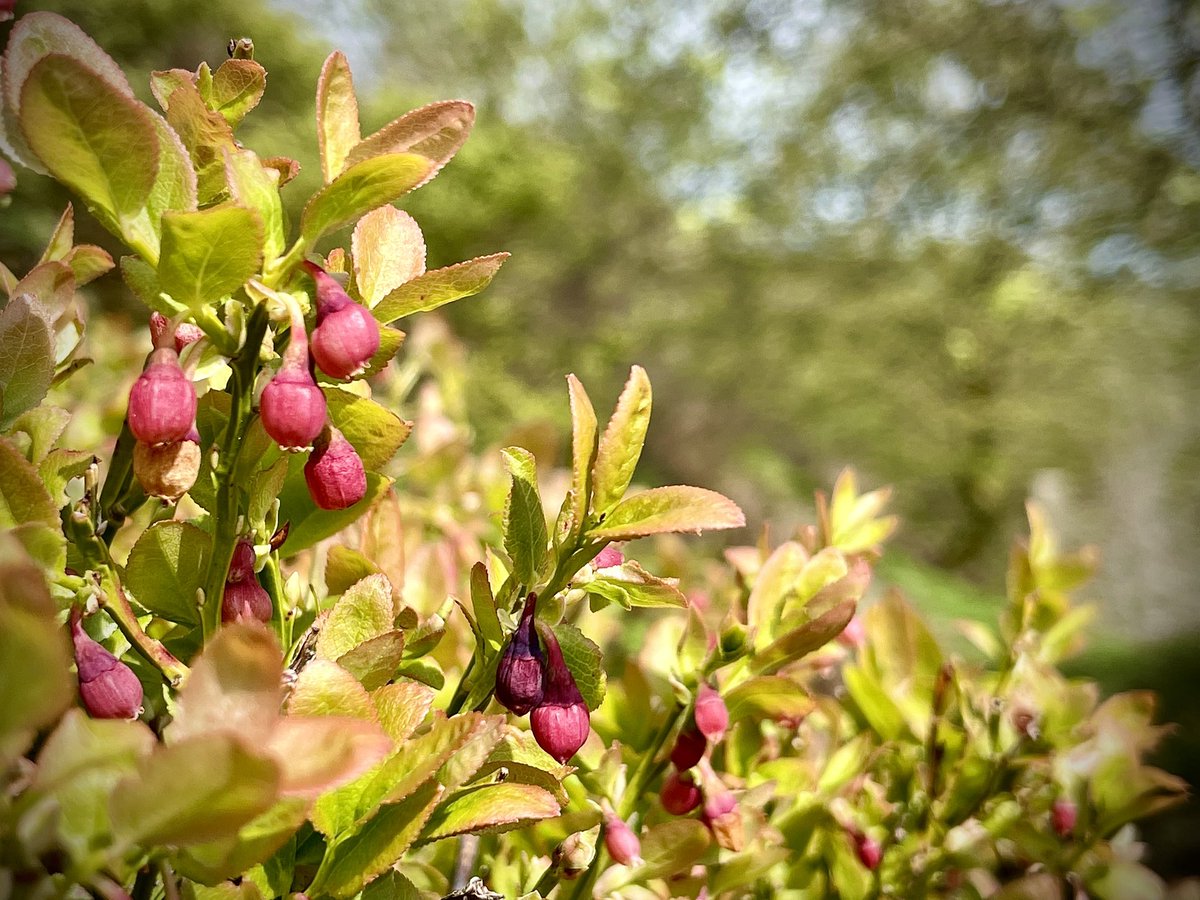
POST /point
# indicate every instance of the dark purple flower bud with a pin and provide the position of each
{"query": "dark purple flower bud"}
(608, 557)
(869, 852)
(185, 333)
(292, 406)
(712, 718)
(689, 748)
(334, 472)
(347, 335)
(241, 566)
(680, 794)
(519, 681)
(623, 845)
(560, 724)
(162, 404)
(169, 470)
(245, 601)
(107, 687)
(1063, 814)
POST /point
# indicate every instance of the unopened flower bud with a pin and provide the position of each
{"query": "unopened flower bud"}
(519, 679)
(623, 845)
(168, 470)
(162, 404)
(560, 723)
(608, 557)
(347, 335)
(680, 794)
(245, 601)
(712, 718)
(1063, 814)
(334, 472)
(868, 850)
(575, 854)
(107, 687)
(241, 565)
(292, 406)
(689, 748)
(185, 332)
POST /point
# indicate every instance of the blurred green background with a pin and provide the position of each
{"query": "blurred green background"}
(950, 242)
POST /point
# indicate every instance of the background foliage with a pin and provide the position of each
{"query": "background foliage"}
(953, 243)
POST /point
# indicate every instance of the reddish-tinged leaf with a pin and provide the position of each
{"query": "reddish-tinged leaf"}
(402, 707)
(435, 131)
(318, 754)
(234, 686)
(492, 809)
(388, 250)
(326, 689)
(678, 508)
(360, 189)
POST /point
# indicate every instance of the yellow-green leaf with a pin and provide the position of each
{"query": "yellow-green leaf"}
(388, 250)
(435, 132)
(678, 508)
(620, 446)
(360, 189)
(490, 809)
(363, 612)
(210, 253)
(337, 115)
(439, 287)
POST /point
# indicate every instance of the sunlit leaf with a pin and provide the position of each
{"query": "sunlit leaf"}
(435, 132)
(209, 253)
(438, 287)
(490, 809)
(388, 250)
(524, 521)
(585, 661)
(337, 115)
(26, 358)
(663, 510)
(360, 189)
(621, 443)
(363, 612)
(326, 689)
(237, 86)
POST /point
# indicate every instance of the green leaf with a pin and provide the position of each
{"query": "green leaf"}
(490, 809)
(671, 847)
(92, 137)
(413, 764)
(88, 262)
(620, 446)
(803, 639)
(874, 702)
(435, 132)
(345, 566)
(631, 585)
(23, 497)
(391, 886)
(256, 187)
(584, 437)
(206, 136)
(39, 34)
(361, 613)
(438, 287)
(79, 766)
(324, 688)
(26, 358)
(310, 524)
(62, 239)
(371, 428)
(254, 843)
(768, 696)
(142, 281)
(175, 186)
(388, 250)
(524, 521)
(210, 253)
(775, 580)
(374, 662)
(337, 115)
(380, 842)
(44, 425)
(484, 605)
(166, 567)
(35, 681)
(237, 86)
(233, 687)
(663, 510)
(201, 789)
(402, 707)
(585, 661)
(360, 189)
